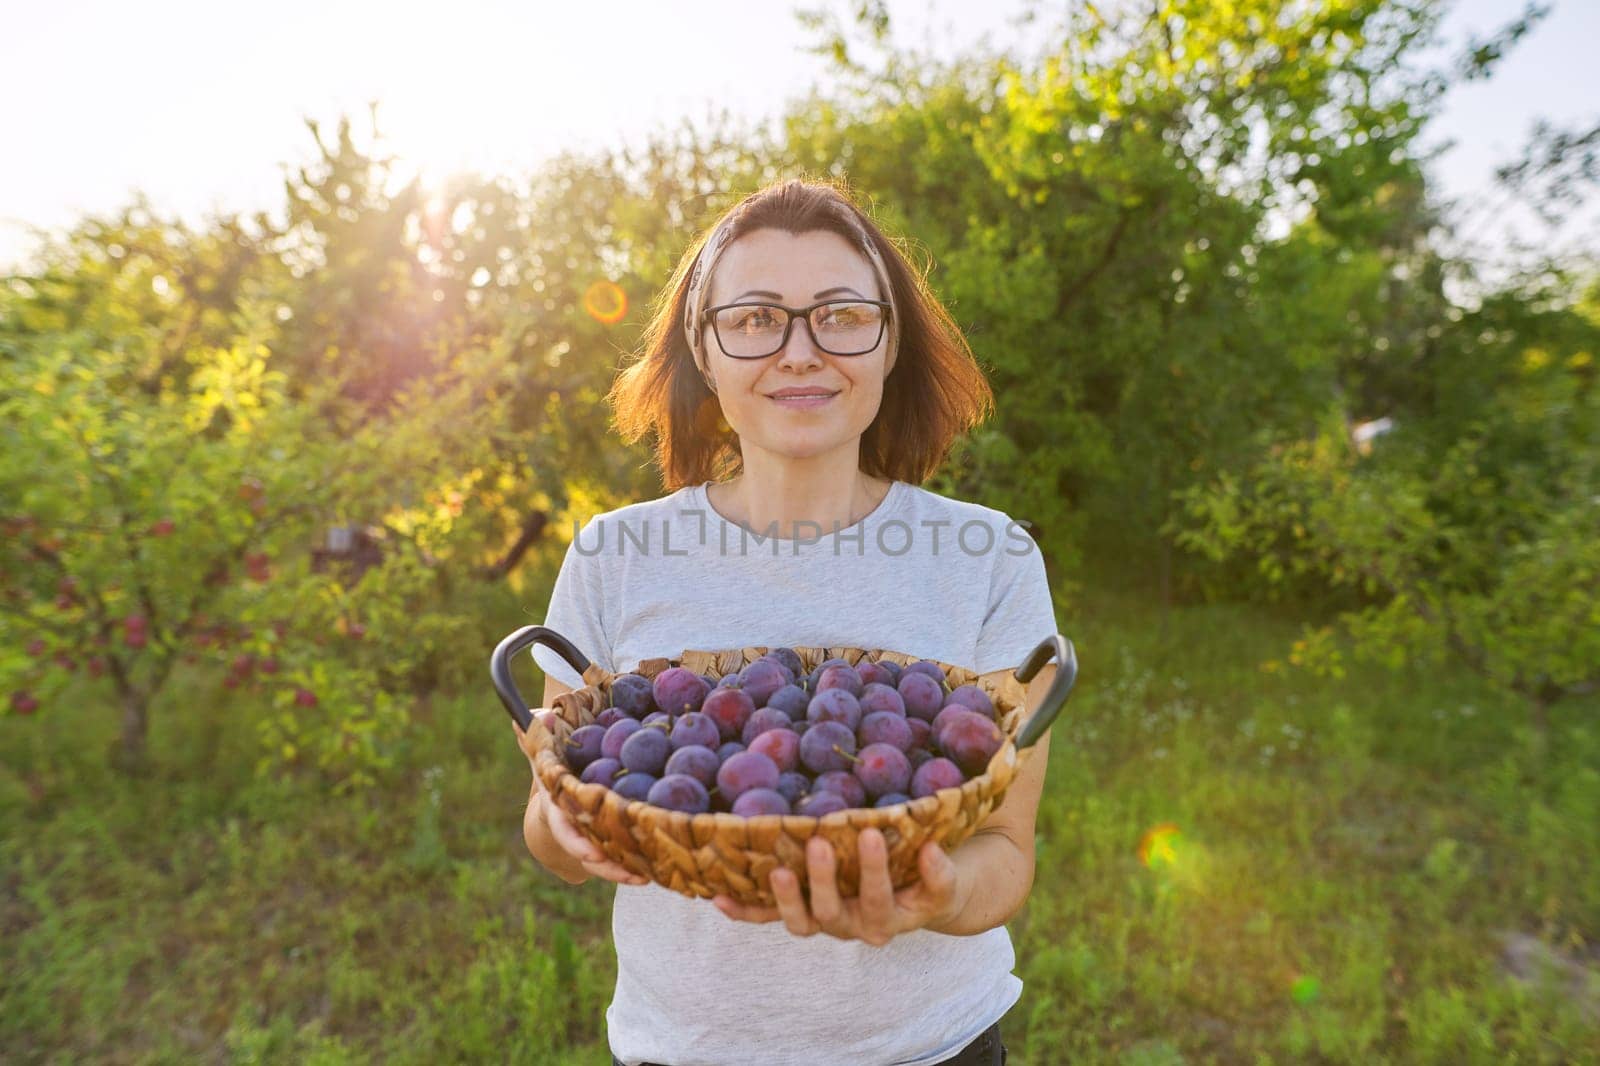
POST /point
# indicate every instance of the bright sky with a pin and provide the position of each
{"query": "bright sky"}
(200, 103)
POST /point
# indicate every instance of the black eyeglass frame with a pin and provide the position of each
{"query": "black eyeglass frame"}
(794, 313)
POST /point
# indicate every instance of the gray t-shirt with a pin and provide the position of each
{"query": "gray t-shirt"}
(922, 574)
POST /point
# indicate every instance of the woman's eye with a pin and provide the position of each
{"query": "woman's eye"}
(760, 319)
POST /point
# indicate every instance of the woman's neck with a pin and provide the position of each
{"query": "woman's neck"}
(797, 501)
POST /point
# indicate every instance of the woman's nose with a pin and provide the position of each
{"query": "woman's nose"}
(800, 349)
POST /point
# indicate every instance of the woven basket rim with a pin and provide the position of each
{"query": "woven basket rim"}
(713, 852)
(1000, 682)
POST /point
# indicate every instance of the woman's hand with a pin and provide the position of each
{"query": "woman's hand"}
(562, 830)
(877, 913)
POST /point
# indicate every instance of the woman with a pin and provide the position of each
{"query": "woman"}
(801, 381)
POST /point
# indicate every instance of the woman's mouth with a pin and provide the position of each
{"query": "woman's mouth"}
(802, 400)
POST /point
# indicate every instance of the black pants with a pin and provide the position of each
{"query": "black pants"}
(986, 1049)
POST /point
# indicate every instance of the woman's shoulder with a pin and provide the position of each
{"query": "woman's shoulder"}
(926, 503)
(645, 510)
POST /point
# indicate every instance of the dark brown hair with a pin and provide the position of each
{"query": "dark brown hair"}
(935, 393)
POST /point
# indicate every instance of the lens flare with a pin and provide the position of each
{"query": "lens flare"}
(1158, 848)
(606, 302)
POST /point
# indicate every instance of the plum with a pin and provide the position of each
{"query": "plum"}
(730, 708)
(891, 798)
(921, 733)
(782, 746)
(793, 785)
(729, 750)
(763, 719)
(729, 681)
(970, 740)
(646, 750)
(583, 746)
(680, 792)
(745, 771)
(657, 716)
(632, 693)
(883, 768)
(633, 786)
(923, 695)
(760, 801)
(834, 705)
(927, 667)
(845, 784)
(933, 775)
(844, 677)
(698, 762)
(947, 712)
(874, 674)
(787, 658)
(883, 727)
(678, 690)
(695, 728)
(610, 717)
(827, 746)
(817, 804)
(603, 771)
(816, 672)
(611, 743)
(972, 698)
(762, 678)
(791, 700)
(917, 756)
(876, 697)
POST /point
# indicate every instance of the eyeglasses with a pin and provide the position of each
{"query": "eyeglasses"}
(838, 327)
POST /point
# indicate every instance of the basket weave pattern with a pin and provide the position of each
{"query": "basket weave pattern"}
(702, 855)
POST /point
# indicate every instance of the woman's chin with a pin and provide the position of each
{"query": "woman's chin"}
(800, 446)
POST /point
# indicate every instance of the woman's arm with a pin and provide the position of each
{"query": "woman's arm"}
(995, 866)
(553, 839)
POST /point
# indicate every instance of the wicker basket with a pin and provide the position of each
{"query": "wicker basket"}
(702, 855)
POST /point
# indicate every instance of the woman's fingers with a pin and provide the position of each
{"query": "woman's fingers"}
(875, 897)
(567, 835)
(585, 850)
(791, 905)
(823, 874)
(612, 871)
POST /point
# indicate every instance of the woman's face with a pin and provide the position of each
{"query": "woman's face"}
(796, 270)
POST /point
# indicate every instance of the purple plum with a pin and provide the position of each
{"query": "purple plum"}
(745, 771)
(791, 700)
(678, 690)
(934, 775)
(631, 693)
(834, 705)
(827, 746)
(680, 792)
(758, 801)
(923, 695)
(698, 762)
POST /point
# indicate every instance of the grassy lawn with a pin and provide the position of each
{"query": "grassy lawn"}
(1342, 860)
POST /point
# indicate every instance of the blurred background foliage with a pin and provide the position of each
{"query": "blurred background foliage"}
(303, 471)
(1192, 252)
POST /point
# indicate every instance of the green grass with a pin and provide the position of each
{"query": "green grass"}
(1346, 852)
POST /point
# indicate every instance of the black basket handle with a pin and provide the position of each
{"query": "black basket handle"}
(1060, 686)
(500, 665)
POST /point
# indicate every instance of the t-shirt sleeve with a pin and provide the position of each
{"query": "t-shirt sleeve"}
(1021, 613)
(577, 611)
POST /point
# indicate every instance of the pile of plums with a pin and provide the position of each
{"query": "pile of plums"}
(775, 739)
